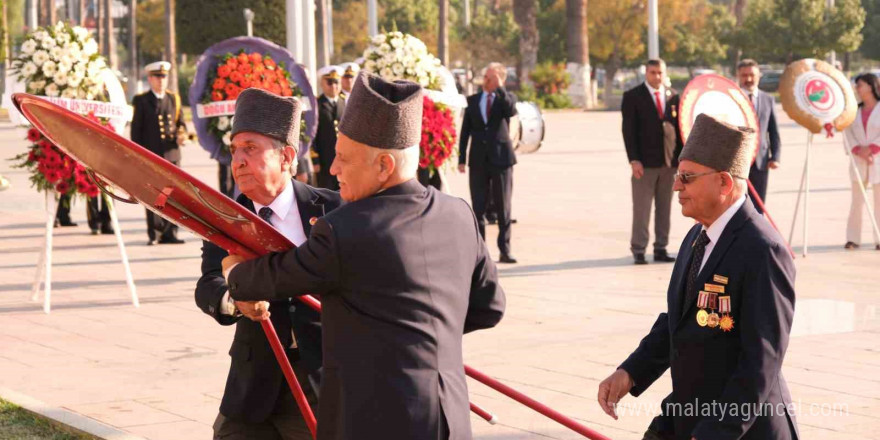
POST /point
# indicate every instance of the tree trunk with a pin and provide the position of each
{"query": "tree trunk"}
(734, 53)
(99, 20)
(525, 15)
(578, 51)
(611, 68)
(132, 49)
(171, 44)
(110, 47)
(443, 37)
(321, 19)
(82, 12)
(53, 13)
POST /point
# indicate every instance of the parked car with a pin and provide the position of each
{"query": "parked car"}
(770, 81)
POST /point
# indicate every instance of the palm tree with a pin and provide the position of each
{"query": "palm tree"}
(171, 44)
(578, 52)
(110, 47)
(525, 15)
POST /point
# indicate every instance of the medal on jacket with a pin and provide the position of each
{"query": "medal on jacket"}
(702, 318)
(726, 322)
(713, 320)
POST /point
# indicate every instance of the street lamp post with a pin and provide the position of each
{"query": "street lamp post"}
(653, 39)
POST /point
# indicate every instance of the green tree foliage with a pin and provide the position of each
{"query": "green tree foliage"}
(493, 36)
(203, 23)
(871, 32)
(698, 35)
(551, 27)
(786, 30)
(349, 31)
(151, 29)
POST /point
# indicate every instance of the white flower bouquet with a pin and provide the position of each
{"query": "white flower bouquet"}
(61, 61)
(395, 55)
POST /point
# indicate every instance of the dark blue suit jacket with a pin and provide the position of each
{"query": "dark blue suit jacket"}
(255, 379)
(769, 147)
(490, 142)
(738, 368)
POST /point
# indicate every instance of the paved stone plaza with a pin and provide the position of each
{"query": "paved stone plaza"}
(576, 305)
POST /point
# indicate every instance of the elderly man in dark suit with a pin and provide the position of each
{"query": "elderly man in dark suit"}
(402, 273)
(730, 307)
(257, 403)
(650, 154)
(749, 75)
(157, 119)
(486, 125)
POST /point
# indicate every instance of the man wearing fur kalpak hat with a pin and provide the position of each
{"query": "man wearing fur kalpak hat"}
(402, 273)
(730, 307)
(257, 403)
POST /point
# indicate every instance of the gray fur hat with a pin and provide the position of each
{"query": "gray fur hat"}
(382, 114)
(720, 146)
(266, 113)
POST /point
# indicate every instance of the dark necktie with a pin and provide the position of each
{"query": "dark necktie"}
(488, 106)
(696, 262)
(266, 214)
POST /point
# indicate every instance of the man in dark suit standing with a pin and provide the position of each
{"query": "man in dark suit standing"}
(644, 109)
(257, 403)
(155, 125)
(730, 307)
(749, 75)
(331, 106)
(487, 126)
(402, 273)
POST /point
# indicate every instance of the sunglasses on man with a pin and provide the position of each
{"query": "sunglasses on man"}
(159, 75)
(331, 81)
(686, 178)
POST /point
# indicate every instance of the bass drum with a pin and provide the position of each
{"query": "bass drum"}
(527, 128)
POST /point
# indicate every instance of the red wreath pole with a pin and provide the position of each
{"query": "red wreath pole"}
(485, 415)
(286, 368)
(760, 203)
(534, 404)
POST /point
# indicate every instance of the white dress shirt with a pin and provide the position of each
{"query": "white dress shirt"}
(286, 219)
(483, 105)
(754, 97)
(662, 91)
(715, 229)
(159, 96)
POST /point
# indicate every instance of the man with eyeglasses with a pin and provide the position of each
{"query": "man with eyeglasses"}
(155, 125)
(331, 106)
(730, 307)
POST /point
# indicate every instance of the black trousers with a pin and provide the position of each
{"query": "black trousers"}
(63, 213)
(98, 213)
(759, 181)
(285, 423)
(157, 224)
(497, 184)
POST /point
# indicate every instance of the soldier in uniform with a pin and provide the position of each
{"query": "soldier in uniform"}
(155, 125)
(730, 306)
(398, 287)
(330, 109)
(349, 73)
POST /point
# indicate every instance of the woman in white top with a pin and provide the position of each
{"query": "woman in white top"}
(863, 137)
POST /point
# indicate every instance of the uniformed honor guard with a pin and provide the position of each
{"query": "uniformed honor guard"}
(158, 125)
(402, 273)
(730, 307)
(331, 107)
(349, 73)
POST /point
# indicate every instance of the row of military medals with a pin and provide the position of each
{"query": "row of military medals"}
(708, 301)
